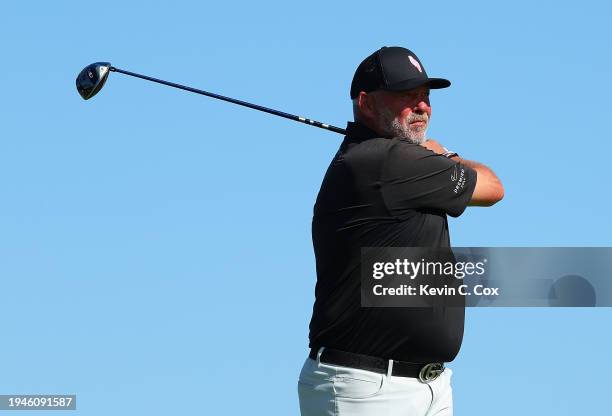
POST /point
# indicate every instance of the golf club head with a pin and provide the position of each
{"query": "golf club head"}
(92, 78)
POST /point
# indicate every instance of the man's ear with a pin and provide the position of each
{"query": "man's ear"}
(367, 105)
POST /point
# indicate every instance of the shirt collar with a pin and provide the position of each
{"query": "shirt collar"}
(356, 130)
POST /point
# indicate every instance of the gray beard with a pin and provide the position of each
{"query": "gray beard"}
(392, 126)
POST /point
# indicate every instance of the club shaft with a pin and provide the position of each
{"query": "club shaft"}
(234, 101)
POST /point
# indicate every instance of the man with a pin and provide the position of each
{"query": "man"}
(387, 186)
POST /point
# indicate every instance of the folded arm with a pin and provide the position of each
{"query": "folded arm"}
(489, 189)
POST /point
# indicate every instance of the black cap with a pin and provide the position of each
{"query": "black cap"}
(393, 69)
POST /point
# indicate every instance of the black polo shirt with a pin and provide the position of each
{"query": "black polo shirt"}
(382, 192)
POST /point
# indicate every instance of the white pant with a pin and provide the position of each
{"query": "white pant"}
(332, 390)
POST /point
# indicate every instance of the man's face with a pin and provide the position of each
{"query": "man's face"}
(404, 113)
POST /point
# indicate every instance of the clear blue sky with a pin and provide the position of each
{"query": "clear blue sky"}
(155, 251)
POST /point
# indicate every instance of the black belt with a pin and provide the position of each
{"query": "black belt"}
(425, 372)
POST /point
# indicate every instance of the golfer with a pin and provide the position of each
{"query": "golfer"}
(387, 186)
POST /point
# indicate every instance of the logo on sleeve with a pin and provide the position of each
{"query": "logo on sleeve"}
(459, 178)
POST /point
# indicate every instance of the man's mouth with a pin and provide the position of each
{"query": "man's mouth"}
(418, 123)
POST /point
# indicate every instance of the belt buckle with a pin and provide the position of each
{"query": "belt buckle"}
(430, 372)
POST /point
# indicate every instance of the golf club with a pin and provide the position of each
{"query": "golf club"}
(93, 77)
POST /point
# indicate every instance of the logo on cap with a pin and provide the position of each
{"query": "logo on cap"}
(416, 63)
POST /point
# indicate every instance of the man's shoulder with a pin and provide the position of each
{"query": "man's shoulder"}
(379, 148)
(372, 147)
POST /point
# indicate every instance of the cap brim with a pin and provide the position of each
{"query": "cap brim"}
(433, 83)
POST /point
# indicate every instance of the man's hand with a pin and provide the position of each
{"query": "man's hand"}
(434, 146)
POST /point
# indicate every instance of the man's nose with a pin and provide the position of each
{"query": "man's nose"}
(422, 106)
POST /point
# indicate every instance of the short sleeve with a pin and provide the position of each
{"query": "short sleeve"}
(414, 177)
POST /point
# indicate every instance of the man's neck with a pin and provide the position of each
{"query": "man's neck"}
(370, 125)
